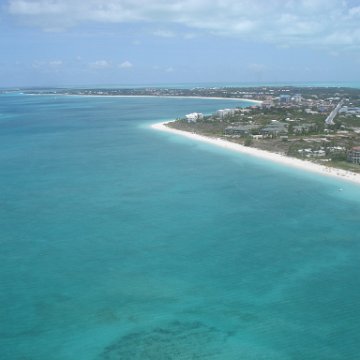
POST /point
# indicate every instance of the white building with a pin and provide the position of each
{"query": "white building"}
(194, 117)
(224, 112)
(354, 155)
(297, 98)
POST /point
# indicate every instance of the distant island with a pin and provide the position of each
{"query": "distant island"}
(319, 124)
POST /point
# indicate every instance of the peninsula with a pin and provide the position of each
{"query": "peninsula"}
(317, 129)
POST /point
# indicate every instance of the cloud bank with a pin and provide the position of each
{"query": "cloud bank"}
(125, 65)
(321, 23)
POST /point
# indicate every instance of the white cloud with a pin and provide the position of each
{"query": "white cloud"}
(189, 36)
(46, 65)
(34, 8)
(355, 11)
(164, 33)
(55, 63)
(126, 65)
(325, 23)
(37, 64)
(168, 69)
(100, 64)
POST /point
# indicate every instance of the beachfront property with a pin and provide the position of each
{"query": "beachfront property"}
(354, 155)
(225, 112)
(240, 130)
(312, 153)
(194, 117)
(274, 129)
(268, 103)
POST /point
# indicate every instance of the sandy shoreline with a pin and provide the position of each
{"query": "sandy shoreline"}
(289, 161)
(155, 96)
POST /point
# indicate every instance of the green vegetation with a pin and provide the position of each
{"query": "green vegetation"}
(296, 129)
(248, 141)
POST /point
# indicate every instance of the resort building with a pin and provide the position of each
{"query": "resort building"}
(267, 104)
(354, 155)
(297, 98)
(225, 112)
(194, 117)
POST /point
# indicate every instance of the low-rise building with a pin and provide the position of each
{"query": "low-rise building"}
(240, 130)
(349, 110)
(312, 112)
(257, 137)
(310, 153)
(274, 129)
(268, 103)
(354, 155)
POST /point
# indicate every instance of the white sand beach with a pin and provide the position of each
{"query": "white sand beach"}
(289, 161)
(255, 102)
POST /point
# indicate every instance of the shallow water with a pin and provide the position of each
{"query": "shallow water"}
(121, 242)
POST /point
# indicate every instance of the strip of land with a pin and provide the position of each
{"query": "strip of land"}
(316, 126)
(155, 96)
(289, 161)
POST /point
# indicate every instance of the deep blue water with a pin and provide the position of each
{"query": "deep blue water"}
(121, 242)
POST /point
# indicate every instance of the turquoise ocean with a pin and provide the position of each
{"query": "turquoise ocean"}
(118, 241)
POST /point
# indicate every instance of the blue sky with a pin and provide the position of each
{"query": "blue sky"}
(85, 42)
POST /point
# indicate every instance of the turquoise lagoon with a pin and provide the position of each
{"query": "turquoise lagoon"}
(121, 242)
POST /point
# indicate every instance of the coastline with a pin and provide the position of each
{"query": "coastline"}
(155, 96)
(282, 159)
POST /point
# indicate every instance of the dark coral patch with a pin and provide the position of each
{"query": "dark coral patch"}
(176, 340)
